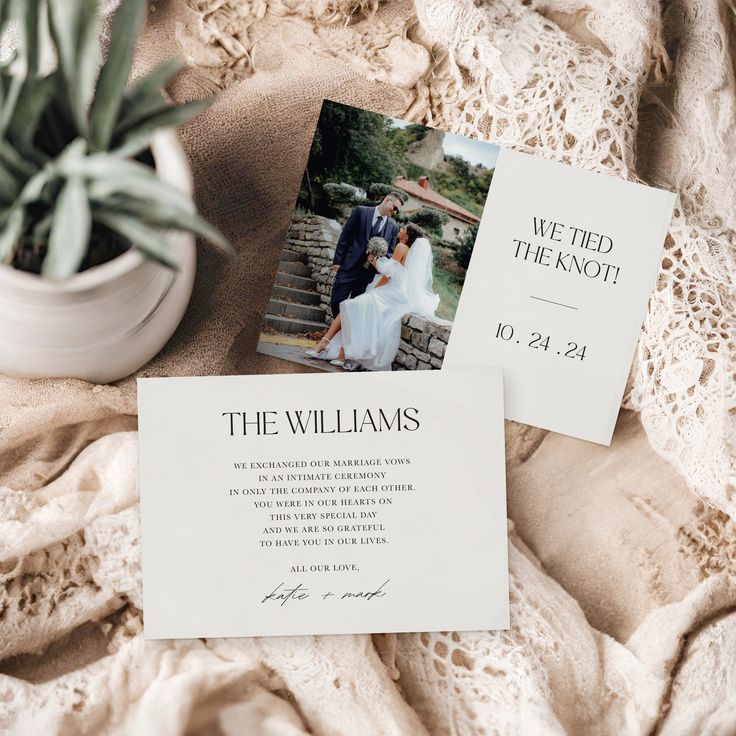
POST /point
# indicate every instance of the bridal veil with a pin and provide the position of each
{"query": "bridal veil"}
(418, 270)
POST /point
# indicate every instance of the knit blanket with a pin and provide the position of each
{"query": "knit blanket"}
(623, 573)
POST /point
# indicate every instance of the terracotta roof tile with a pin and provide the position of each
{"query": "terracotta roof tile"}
(434, 199)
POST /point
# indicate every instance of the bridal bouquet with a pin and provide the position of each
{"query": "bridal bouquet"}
(376, 247)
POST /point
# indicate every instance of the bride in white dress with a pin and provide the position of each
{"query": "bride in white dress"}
(368, 329)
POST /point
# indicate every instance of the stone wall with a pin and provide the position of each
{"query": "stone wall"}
(316, 237)
(423, 341)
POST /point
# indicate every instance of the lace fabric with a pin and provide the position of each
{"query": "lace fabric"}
(624, 88)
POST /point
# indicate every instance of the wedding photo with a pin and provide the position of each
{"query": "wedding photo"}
(378, 245)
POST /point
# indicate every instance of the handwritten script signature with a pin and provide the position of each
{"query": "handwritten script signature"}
(283, 595)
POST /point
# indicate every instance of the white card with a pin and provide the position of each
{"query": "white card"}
(563, 266)
(369, 502)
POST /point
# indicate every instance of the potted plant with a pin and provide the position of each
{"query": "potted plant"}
(97, 225)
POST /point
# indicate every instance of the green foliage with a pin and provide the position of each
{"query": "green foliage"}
(413, 171)
(377, 191)
(459, 181)
(464, 183)
(350, 146)
(464, 247)
(401, 138)
(364, 149)
(341, 198)
(416, 131)
(114, 74)
(67, 181)
(430, 220)
(449, 287)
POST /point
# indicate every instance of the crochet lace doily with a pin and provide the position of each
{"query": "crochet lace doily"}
(622, 88)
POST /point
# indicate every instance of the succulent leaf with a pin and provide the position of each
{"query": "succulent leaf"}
(11, 228)
(70, 230)
(74, 28)
(42, 228)
(9, 186)
(37, 93)
(116, 70)
(149, 88)
(4, 13)
(34, 187)
(29, 15)
(10, 103)
(14, 170)
(138, 137)
(150, 242)
(110, 175)
(69, 140)
(163, 214)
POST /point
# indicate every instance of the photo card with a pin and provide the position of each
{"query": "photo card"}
(383, 203)
(414, 249)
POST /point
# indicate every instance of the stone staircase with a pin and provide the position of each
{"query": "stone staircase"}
(294, 307)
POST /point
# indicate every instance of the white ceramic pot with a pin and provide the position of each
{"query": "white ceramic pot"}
(104, 323)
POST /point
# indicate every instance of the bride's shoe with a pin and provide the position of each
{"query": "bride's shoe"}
(346, 364)
(319, 354)
(339, 362)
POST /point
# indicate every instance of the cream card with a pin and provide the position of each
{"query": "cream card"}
(508, 260)
(308, 504)
(557, 289)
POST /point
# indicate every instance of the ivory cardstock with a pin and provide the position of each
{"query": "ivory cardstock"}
(563, 266)
(322, 504)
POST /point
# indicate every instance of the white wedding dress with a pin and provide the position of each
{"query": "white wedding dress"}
(371, 322)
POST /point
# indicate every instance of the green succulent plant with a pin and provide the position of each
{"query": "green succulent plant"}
(76, 173)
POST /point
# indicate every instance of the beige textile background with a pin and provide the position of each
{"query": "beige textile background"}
(622, 561)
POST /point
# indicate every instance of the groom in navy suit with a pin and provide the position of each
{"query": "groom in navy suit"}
(364, 223)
